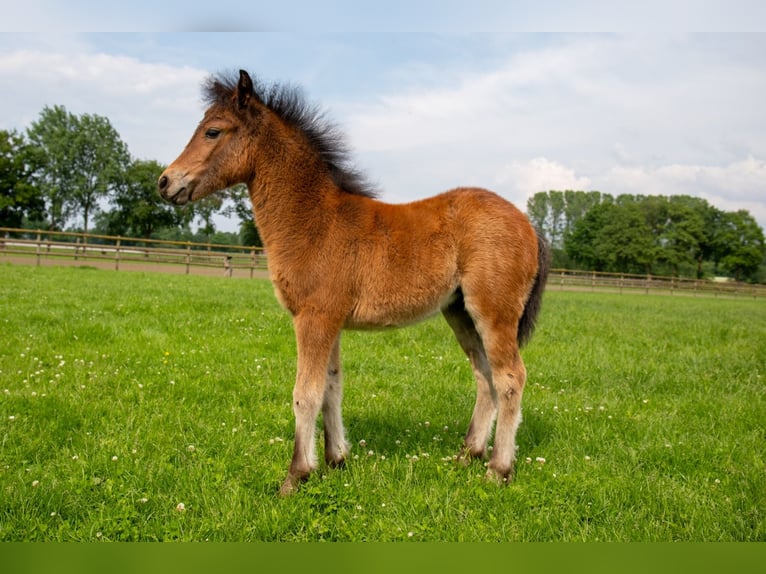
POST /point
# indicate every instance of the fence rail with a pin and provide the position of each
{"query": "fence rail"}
(42, 247)
(567, 279)
(128, 253)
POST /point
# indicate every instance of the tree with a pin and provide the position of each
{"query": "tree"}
(537, 211)
(49, 139)
(138, 210)
(101, 159)
(612, 237)
(745, 247)
(81, 160)
(238, 199)
(19, 200)
(555, 213)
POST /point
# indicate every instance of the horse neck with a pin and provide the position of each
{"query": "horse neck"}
(291, 188)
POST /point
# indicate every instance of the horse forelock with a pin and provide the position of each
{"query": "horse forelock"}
(289, 103)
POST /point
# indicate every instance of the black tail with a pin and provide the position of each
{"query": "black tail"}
(532, 308)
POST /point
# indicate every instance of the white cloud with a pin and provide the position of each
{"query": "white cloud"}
(737, 185)
(524, 179)
(154, 107)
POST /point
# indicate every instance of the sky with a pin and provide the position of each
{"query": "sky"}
(666, 99)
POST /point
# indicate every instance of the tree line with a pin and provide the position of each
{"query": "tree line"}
(663, 235)
(74, 172)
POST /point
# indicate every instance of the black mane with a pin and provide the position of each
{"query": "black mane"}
(289, 103)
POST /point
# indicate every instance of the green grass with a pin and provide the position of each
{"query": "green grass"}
(125, 394)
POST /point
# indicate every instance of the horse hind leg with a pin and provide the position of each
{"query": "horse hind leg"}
(495, 321)
(336, 448)
(509, 376)
(485, 408)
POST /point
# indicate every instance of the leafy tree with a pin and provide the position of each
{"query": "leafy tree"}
(555, 213)
(583, 242)
(19, 200)
(81, 160)
(100, 162)
(537, 211)
(205, 210)
(239, 205)
(612, 237)
(49, 138)
(625, 242)
(676, 225)
(745, 246)
(138, 210)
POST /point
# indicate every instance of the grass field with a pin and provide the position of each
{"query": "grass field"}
(157, 407)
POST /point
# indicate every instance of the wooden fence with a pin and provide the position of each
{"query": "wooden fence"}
(127, 253)
(567, 279)
(122, 253)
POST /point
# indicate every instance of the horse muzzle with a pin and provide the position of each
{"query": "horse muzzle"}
(174, 189)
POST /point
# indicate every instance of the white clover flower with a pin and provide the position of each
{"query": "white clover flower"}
(35, 483)
(362, 442)
(180, 507)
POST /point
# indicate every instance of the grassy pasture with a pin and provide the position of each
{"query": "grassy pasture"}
(157, 407)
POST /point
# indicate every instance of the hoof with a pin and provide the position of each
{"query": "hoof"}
(499, 476)
(466, 455)
(336, 463)
(337, 459)
(291, 483)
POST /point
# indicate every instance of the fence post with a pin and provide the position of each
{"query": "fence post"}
(622, 281)
(117, 255)
(39, 240)
(648, 281)
(188, 256)
(252, 262)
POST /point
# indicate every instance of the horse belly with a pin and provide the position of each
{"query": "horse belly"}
(398, 309)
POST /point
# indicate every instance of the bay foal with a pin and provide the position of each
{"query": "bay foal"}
(340, 259)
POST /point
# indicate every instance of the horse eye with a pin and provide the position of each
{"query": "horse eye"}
(212, 133)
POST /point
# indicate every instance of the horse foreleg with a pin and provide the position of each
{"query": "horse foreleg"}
(315, 339)
(336, 448)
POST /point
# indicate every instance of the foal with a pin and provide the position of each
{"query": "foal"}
(340, 259)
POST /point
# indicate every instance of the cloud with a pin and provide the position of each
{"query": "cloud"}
(621, 114)
(149, 104)
(524, 179)
(737, 185)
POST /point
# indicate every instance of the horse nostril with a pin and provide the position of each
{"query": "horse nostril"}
(163, 183)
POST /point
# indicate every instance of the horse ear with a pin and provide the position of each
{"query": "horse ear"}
(245, 90)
